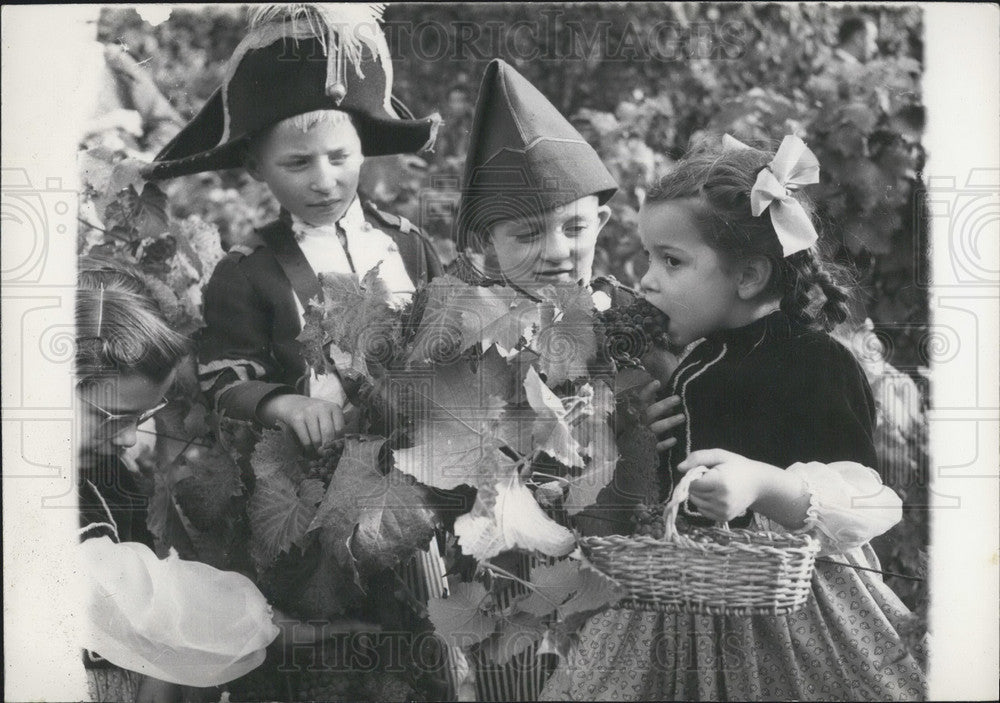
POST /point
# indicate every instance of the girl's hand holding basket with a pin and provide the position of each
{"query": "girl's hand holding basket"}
(733, 484)
(713, 570)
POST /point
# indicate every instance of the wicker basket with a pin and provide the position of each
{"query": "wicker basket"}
(707, 570)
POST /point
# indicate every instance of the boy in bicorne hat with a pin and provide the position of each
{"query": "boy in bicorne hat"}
(307, 96)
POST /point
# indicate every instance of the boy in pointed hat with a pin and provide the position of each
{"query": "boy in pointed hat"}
(307, 96)
(535, 193)
(533, 202)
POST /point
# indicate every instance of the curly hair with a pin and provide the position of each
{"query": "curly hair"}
(119, 328)
(813, 291)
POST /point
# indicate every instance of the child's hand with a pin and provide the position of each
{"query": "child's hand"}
(660, 416)
(731, 486)
(315, 422)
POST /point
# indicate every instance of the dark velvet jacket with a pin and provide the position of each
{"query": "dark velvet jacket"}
(773, 391)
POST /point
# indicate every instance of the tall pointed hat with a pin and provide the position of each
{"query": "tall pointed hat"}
(524, 157)
(297, 58)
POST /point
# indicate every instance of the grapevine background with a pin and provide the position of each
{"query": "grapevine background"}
(755, 71)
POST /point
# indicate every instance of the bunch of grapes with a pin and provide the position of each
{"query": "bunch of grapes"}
(648, 520)
(323, 466)
(631, 331)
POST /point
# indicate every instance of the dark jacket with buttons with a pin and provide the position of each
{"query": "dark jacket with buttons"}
(249, 349)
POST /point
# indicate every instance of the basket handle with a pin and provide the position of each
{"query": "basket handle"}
(680, 495)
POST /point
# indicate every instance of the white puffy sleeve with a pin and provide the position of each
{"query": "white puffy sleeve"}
(848, 504)
(178, 621)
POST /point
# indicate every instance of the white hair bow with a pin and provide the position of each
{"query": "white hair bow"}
(793, 166)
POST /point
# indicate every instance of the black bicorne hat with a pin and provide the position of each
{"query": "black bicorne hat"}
(524, 157)
(298, 59)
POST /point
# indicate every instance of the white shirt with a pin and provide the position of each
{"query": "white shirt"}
(368, 247)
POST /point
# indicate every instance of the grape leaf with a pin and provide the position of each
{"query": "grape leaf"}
(594, 591)
(95, 167)
(278, 453)
(585, 488)
(496, 375)
(355, 315)
(551, 433)
(313, 337)
(150, 217)
(445, 460)
(515, 635)
(506, 516)
(211, 546)
(567, 344)
(454, 420)
(459, 618)
(237, 437)
(329, 591)
(628, 380)
(551, 585)
(439, 335)
(311, 491)
(203, 239)
(204, 496)
(598, 437)
(497, 316)
(163, 519)
(279, 517)
(373, 520)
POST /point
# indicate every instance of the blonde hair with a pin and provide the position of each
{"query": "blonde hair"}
(119, 328)
(308, 120)
(303, 121)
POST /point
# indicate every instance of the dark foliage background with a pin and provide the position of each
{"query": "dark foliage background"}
(644, 82)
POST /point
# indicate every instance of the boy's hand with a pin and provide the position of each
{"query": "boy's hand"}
(731, 486)
(661, 416)
(315, 422)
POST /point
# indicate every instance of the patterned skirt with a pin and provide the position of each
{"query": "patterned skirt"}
(844, 644)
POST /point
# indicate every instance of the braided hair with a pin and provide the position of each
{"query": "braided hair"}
(812, 290)
(119, 328)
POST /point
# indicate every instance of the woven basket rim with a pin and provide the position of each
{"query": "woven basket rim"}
(758, 540)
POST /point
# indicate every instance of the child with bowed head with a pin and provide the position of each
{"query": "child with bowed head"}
(176, 622)
(307, 96)
(781, 415)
